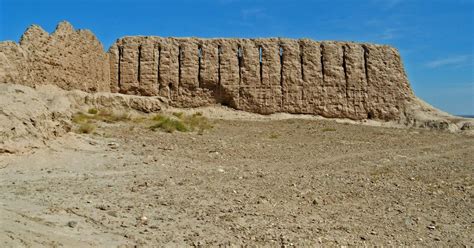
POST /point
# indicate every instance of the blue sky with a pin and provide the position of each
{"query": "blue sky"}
(435, 37)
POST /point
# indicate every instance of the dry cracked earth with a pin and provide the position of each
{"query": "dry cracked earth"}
(259, 183)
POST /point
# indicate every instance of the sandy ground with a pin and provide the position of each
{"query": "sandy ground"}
(257, 182)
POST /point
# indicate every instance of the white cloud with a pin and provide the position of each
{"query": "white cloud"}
(449, 61)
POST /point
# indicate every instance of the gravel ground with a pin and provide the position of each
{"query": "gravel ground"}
(261, 182)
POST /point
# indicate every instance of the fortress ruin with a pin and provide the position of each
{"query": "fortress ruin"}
(327, 78)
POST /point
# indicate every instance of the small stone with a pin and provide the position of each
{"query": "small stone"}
(144, 220)
(431, 227)
(112, 213)
(467, 126)
(72, 224)
(113, 145)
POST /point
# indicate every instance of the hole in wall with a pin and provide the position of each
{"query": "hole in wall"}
(370, 115)
(170, 88)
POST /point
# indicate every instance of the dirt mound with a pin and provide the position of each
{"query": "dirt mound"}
(29, 117)
(422, 115)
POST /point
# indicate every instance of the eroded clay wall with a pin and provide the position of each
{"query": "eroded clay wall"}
(67, 58)
(332, 79)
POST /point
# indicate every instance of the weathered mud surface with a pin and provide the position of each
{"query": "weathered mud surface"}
(300, 182)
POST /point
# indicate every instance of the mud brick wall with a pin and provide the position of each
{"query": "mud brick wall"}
(332, 79)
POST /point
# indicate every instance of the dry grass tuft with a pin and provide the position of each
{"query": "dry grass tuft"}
(86, 128)
(181, 122)
(274, 136)
(92, 111)
(103, 115)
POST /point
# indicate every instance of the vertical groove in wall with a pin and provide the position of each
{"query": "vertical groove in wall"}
(219, 65)
(370, 114)
(199, 65)
(260, 57)
(302, 62)
(239, 60)
(158, 68)
(119, 71)
(366, 69)
(179, 65)
(344, 66)
(322, 61)
(139, 63)
(281, 74)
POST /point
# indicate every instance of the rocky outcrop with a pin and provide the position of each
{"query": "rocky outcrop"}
(67, 58)
(332, 79)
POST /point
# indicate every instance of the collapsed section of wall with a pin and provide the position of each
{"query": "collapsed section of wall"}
(67, 58)
(332, 79)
